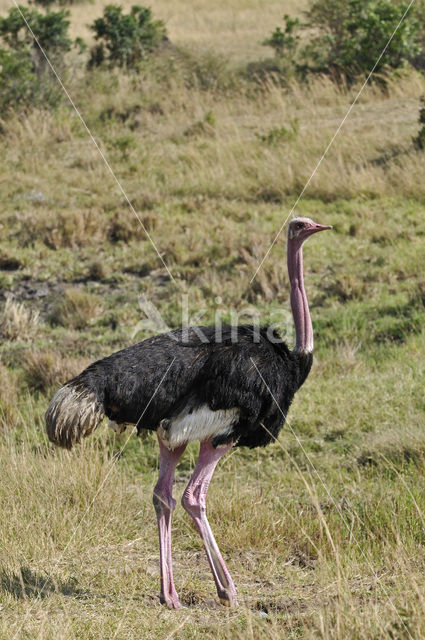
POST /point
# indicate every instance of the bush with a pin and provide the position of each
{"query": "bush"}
(50, 29)
(18, 84)
(353, 35)
(125, 39)
(23, 67)
(285, 43)
(350, 37)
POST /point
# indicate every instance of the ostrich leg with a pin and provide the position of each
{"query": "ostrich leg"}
(164, 504)
(194, 501)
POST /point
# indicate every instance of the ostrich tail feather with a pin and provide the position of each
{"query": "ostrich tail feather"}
(74, 412)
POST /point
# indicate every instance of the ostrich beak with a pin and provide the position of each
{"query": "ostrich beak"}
(320, 227)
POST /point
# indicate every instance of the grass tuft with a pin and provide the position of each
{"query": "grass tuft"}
(77, 310)
(18, 322)
(46, 370)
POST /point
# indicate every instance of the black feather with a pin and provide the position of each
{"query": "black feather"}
(152, 380)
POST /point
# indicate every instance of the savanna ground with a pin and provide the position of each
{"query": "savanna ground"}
(324, 530)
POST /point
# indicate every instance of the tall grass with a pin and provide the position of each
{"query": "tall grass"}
(166, 150)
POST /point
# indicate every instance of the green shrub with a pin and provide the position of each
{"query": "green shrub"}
(50, 29)
(23, 68)
(349, 37)
(124, 40)
(353, 34)
(285, 43)
(18, 84)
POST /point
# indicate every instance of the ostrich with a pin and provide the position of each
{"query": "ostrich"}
(188, 385)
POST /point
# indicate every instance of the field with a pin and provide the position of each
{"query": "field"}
(324, 530)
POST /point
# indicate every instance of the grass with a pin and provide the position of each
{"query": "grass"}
(324, 530)
(17, 321)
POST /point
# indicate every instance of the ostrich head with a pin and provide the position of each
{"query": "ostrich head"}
(302, 228)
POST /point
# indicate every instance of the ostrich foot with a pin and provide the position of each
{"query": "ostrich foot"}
(171, 602)
(228, 601)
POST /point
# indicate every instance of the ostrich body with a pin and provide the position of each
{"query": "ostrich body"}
(190, 384)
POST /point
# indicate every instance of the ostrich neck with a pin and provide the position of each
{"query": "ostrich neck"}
(299, 303)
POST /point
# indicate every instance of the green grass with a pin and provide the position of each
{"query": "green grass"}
(324, 530)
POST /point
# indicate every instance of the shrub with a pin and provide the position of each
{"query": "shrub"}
(50, 29)
(23, 80)
(353, 35)
(350, 37)
(124, 40)
(18, 84)
(285, 43)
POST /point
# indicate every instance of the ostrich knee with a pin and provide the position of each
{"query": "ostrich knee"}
(163, 503)
(193, 504)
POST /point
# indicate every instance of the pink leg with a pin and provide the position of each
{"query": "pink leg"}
(194, 501)
(164, 504)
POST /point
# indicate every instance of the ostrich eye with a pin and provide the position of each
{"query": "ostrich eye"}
(299, 225)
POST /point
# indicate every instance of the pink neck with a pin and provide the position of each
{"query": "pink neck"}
(299, 303)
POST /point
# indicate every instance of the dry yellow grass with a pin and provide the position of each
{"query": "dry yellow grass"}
(76, 309)
(234, 161)
(45, 371)
(318, 565)
(17, 322)
(9, 416)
